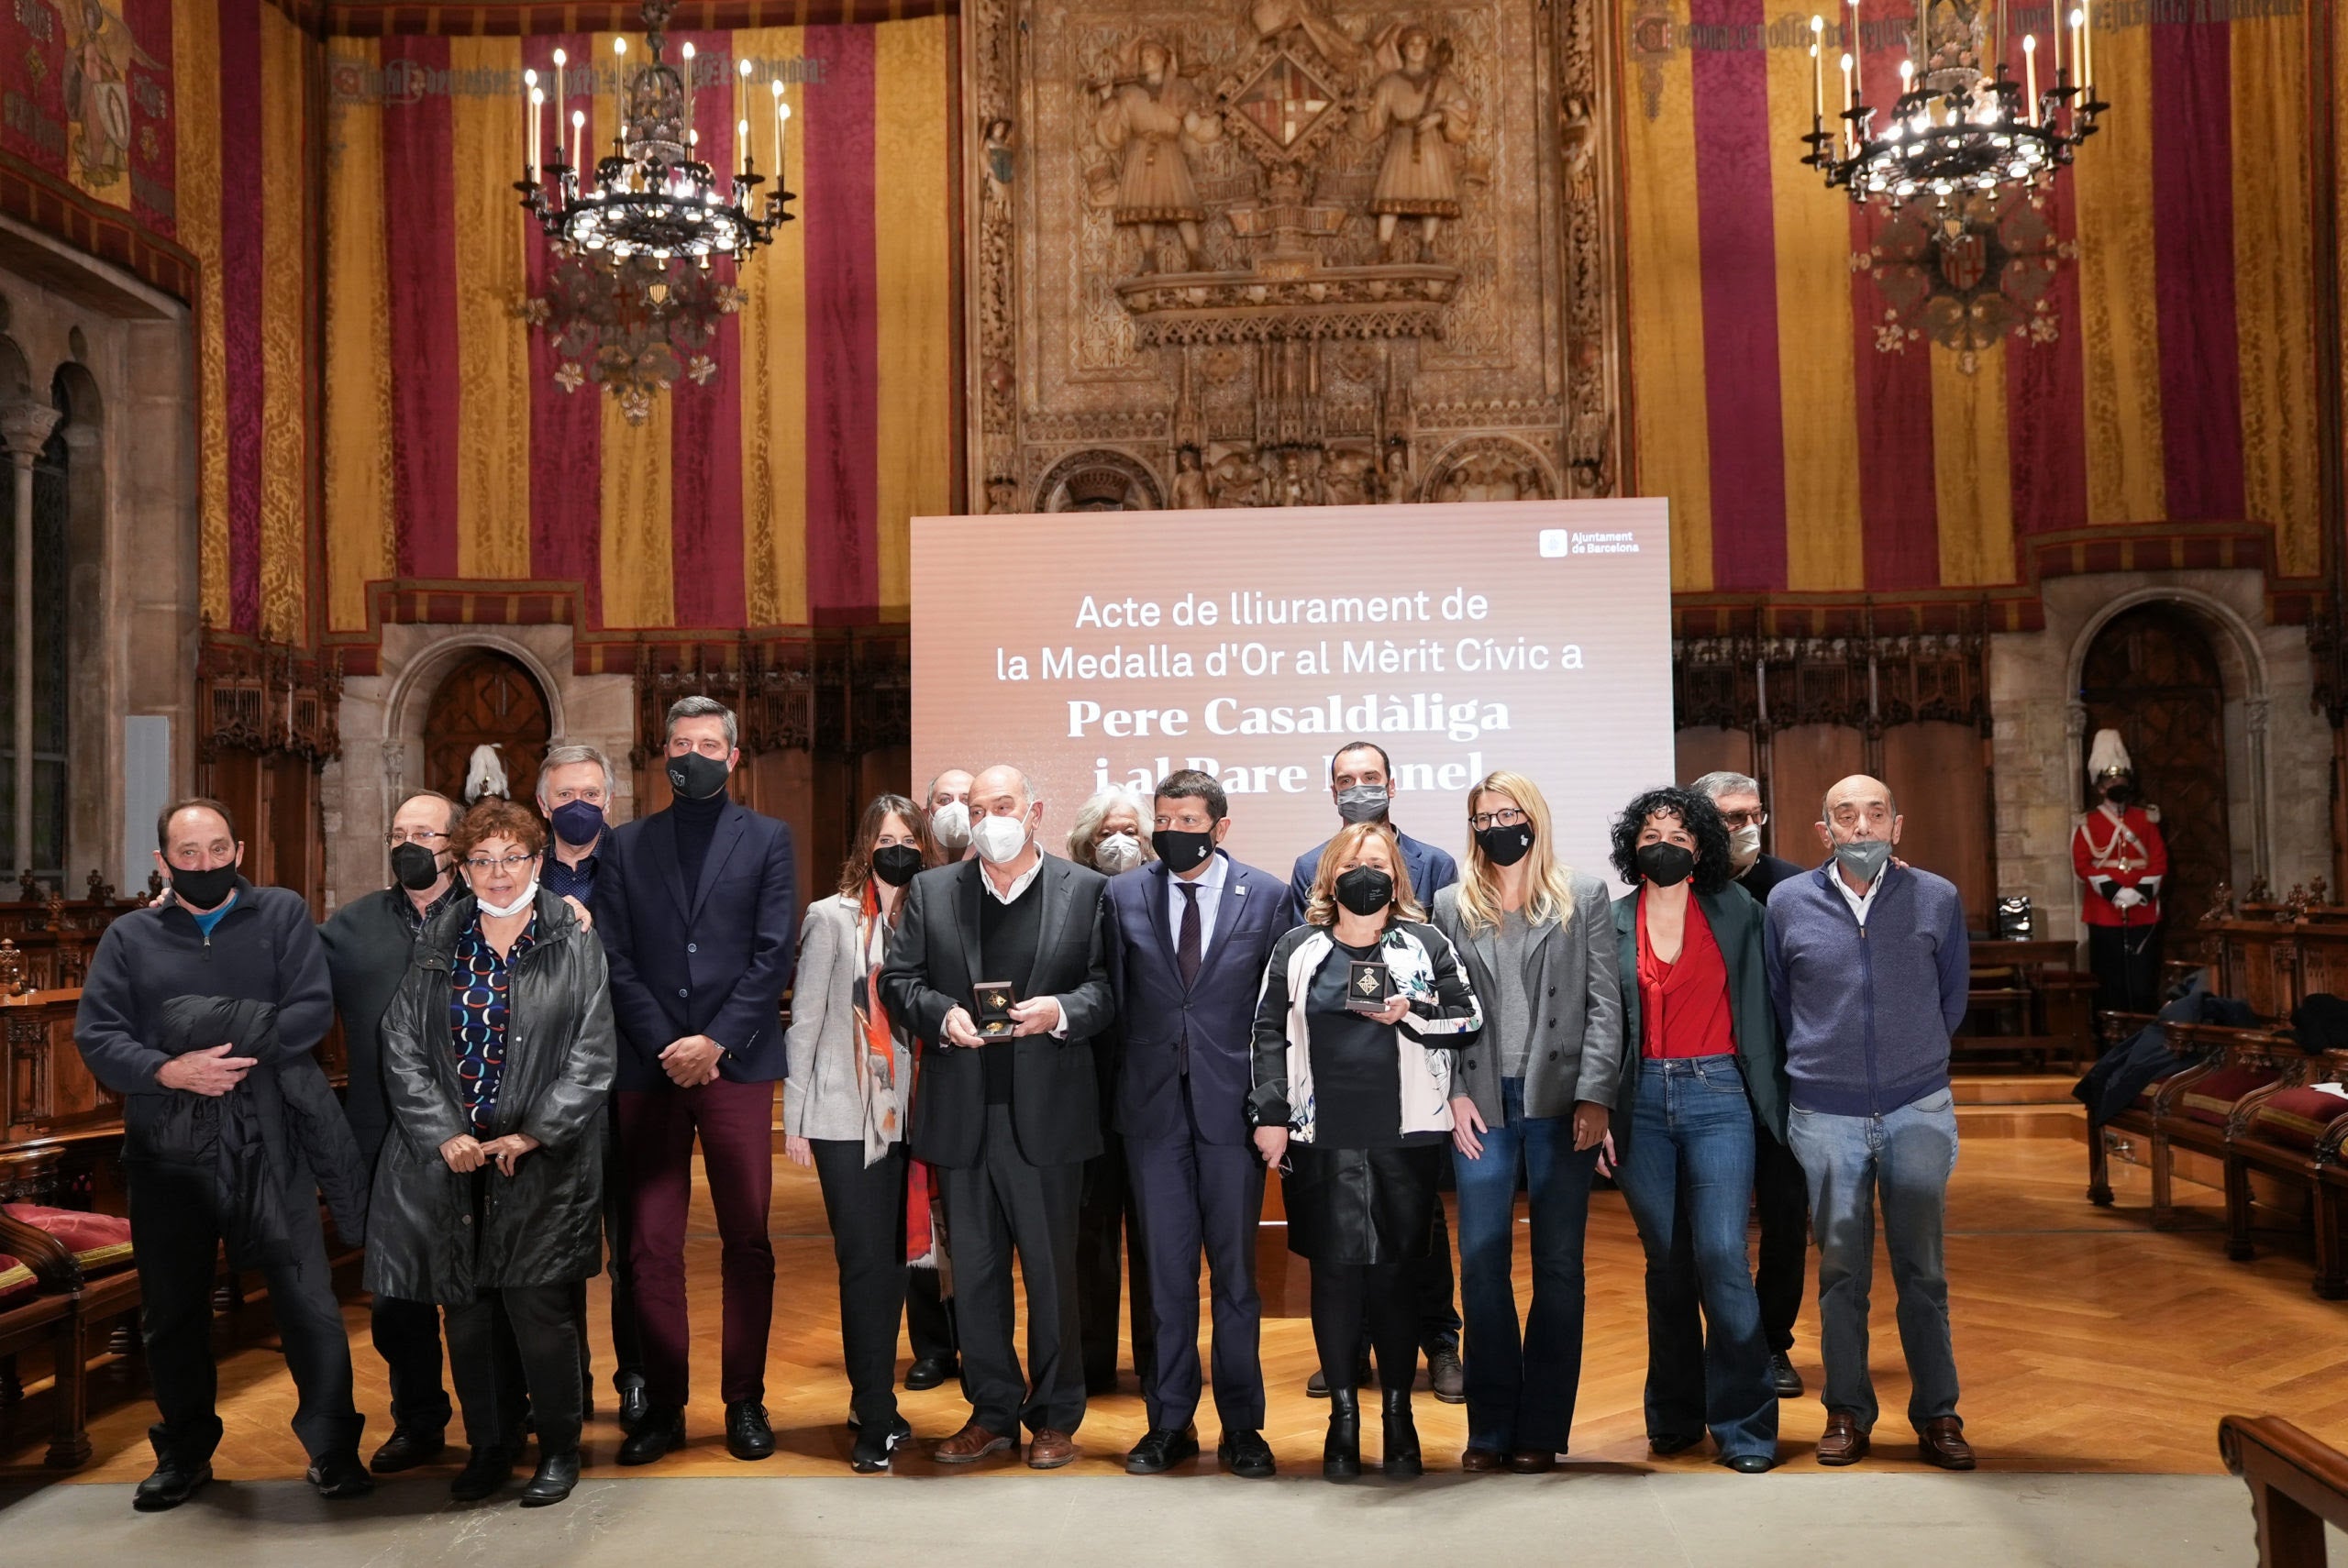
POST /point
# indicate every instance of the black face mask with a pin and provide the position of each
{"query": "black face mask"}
(2118, 794)
(415, 867)
(1183, 851)
(1365, 890)
(1666, 865)
(896, 863)
(1505, 845)
(203, 889)
(696, 777)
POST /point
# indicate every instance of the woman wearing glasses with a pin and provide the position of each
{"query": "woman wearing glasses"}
(1531, 1097)
(497, 1055)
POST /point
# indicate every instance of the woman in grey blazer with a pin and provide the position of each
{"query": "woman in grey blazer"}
(844, 1109)
(1531, 1094)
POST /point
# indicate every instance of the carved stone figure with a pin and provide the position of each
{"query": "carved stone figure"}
(1298, 488)
(1346, 479)
(1190, 491)
(1143, 118)
(1420, 109)
(1237, 481)
(1273, 18)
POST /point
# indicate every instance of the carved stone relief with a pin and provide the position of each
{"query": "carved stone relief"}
(1289, 252)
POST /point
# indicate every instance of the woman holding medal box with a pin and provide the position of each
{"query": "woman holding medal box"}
(1353, 1088)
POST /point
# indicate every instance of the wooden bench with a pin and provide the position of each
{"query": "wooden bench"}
(2137, 1117)
(2192, 1108)
(2296, 1485)
(2026, 1004)
(2292, 1131)
(49, 1318)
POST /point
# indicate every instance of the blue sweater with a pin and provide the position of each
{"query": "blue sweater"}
(1866, 1011)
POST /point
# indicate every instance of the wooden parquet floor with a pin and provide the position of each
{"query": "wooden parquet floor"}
(2087, 1342)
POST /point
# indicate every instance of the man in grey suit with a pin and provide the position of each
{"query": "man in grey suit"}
(1008, 1118)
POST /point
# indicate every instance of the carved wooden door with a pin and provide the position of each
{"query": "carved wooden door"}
(488, 700)
(2153, 676)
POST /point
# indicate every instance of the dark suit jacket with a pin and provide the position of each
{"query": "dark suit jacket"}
(1760, 1052)
(1431, 871)
(1207, 1029)
(932, 965)
(1764, 874)
(713, 960)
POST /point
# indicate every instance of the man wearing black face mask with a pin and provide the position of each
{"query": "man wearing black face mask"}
(697, 907)
(367, 943)
(218, 936)
(1361, 782)
(2118, 851)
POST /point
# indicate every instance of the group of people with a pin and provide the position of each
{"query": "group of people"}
(996, 1054)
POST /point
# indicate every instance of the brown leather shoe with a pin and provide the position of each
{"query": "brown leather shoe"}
(1050, 1450)
(1532, 1462)
(969, 1445)
(1482, 1461)
(1842, 1443)
(1942, 1442)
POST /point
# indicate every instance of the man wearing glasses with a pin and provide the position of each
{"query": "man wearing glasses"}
(1780, 1192)
(367, 943)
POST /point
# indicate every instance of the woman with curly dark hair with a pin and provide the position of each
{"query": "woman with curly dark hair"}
(1710, 1079)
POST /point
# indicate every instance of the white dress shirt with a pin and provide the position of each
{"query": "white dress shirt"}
(1210, 884)
(1859, 902)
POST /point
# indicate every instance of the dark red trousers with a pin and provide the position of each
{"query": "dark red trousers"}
(736, 1126)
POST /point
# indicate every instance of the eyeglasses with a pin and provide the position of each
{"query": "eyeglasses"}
(1509, 817)
(1735, 820)
(396, 838)
(482, 866)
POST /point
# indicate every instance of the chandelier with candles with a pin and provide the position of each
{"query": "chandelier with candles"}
(646, 238)
(1957, 128)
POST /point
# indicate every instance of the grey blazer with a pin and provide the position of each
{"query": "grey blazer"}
(819, 1095)
(1576, 1000)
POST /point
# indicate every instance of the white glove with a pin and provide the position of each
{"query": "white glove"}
(2126, 898)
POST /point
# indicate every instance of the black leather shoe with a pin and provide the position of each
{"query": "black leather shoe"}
(874, 1449)
(1664, 1447)
(1784, 1378)
(1245, 1454)
(747, 1436)
(635, 1404)
(1399, 1455)
(1341, 1451)
(171, 1484)
(338, 1477)
(1446, 1377)
(932, 1372)
(486, 1470)
(556, 1474)
(1752, 1463)
(406, 1448)
(1161, 1449)
(661, 1433)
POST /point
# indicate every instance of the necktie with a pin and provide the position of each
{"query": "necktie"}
(1187, 947)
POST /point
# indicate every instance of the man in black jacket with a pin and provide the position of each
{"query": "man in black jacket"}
(367, 943)
(1008, 1118)
(217, 935)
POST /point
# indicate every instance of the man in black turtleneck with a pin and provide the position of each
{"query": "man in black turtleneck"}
(695, 905)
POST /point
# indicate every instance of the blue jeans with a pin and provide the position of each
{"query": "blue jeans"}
(1906, 1156)
(1520, 1392)
(1689, 1162)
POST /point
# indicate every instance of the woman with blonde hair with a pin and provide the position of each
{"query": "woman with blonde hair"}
(1354, 1090)
(1532, 1096)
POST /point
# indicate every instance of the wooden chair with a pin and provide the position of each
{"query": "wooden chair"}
(2283, 1131)
(2137, 1119)
(51, 1318)
(2296, 1485)
(2200, 1109)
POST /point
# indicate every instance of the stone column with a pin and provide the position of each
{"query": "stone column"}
(25, 429)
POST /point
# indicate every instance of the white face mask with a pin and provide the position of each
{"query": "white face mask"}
(950, 824)
(1744, 847)
(522, 900)
(1118, 852)
(1000, 839)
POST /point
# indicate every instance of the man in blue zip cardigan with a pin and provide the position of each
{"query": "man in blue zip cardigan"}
(1869, 967)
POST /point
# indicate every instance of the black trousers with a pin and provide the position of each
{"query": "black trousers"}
(929, 1316)
(1781, 1198)
(1107, 1225)
(628, 1338)
(1354, 1304)
(998, 1207)
(514, 1351)
(175, 1227)
(1433, 1287)
(1192, 1197)
(407, 1336)
(865, 1206)
(2127, 964)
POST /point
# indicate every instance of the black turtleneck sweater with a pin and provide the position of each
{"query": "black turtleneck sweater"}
(696, 824)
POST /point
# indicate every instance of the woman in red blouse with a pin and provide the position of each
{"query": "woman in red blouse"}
(1708, 1082)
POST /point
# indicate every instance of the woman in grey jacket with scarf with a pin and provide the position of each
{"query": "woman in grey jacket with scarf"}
(844, 1109)
(1532, 1096)
(498, 1053)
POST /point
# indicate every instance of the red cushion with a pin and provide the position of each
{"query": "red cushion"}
(15, 1280)
(2212, 1099)
(2297, 1117)
(96, 1241)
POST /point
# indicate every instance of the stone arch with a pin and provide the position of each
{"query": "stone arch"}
(410, 699)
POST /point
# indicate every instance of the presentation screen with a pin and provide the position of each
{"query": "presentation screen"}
(1099, 648)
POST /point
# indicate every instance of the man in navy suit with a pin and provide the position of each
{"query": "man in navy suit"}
(1361, 780)
(696, 905)
(1190, 936)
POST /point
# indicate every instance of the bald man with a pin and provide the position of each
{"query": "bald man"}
(1867, 963)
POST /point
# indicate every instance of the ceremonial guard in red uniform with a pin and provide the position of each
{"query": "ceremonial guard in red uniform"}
(2117, 853)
